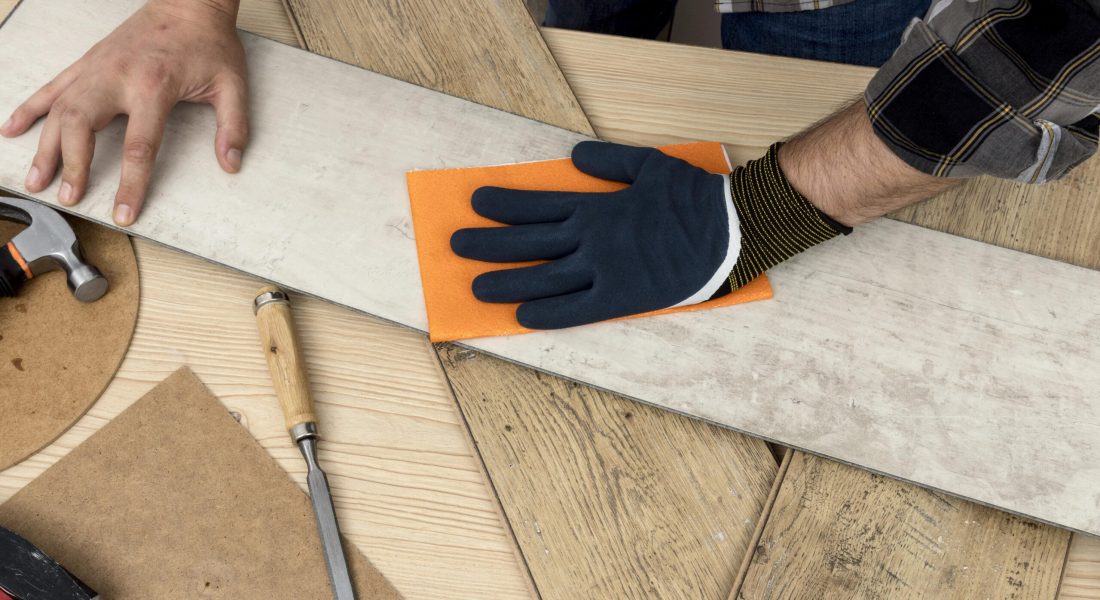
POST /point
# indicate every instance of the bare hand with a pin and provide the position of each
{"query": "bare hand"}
(167, 52)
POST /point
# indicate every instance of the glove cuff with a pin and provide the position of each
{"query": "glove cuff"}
(776, 221)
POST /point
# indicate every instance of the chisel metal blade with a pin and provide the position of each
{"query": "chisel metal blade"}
(326, 523)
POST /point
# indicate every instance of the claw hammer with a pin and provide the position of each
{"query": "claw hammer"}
(46, 244)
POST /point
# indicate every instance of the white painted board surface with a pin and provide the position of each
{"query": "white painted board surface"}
(947, 362)
(320, 204)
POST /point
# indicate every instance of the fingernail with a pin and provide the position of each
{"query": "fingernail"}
(33, 176)
(7, 124)
(123, 214)
(234, 158)
(65, 194)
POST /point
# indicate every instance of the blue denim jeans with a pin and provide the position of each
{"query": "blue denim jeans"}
(864, 32)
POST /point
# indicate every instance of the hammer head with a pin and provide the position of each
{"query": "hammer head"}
(49, 243)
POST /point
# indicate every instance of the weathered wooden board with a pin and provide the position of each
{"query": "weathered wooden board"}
(1081, 577)
(887, 539)
(680, 88)
(610, 498)
(487, 51)
(642, 92)
(1007, 355)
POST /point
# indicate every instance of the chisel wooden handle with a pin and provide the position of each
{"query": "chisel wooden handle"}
(284, 359)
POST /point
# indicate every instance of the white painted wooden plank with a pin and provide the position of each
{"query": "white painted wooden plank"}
(933, 358)
(321, 203)
(940, 360)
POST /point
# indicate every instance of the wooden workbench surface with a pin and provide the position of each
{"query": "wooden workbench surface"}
(605, 498)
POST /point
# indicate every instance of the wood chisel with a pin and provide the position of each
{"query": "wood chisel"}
(288, 373)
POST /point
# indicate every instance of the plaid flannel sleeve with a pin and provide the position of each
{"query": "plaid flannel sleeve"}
(1008, 88)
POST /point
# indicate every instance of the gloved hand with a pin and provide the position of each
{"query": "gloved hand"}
(677, 235)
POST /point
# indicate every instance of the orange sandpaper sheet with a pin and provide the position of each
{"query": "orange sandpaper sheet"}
(441, 205)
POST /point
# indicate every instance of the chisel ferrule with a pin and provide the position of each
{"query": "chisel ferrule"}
(302, 431)
(269, 297)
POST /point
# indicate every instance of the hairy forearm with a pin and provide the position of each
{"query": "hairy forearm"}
(842, 167)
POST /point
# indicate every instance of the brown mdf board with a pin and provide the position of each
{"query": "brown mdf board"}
(487, 51)
(836, 533)
(58, 354)
(584, 506)
(174, 499)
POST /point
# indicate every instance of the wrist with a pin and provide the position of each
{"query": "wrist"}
(209, 12)
(776, 221)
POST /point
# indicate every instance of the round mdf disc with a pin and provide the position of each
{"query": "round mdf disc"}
(58, 354)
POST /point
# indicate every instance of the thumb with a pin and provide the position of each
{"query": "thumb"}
(616, 162)
(231, 107)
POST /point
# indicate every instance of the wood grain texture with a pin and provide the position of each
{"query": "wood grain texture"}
(488, 51)
(654, 93)
(1059, 220)
(1081, 578)
(890, 262)
(610, 498)
(268, 18)
(835, 533)
(876, 353)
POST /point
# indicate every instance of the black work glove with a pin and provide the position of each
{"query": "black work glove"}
(672, 238)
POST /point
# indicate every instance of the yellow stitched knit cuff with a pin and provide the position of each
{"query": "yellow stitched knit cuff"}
(776, 221)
